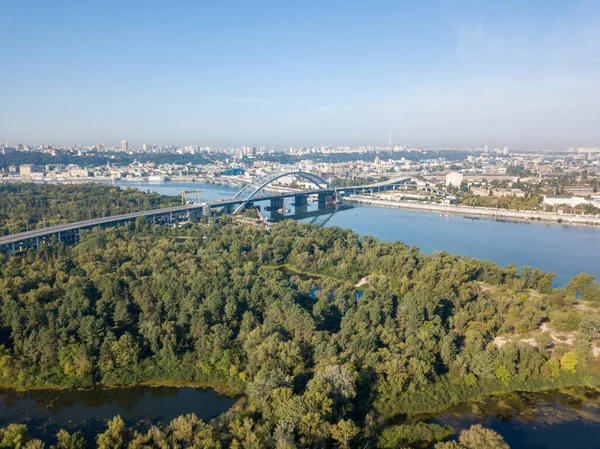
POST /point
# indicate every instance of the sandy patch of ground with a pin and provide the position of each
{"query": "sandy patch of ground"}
(362, 282)
(567, 338)
(500, 341)
(585, 308)
(486, 287)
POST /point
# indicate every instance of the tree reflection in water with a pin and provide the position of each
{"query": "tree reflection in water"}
(47, 411)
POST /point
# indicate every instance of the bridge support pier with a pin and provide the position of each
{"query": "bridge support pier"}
(300, 200)
(300, 209)
(276, 204)
(228, 209)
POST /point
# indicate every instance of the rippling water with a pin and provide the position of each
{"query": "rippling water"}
(562, 249)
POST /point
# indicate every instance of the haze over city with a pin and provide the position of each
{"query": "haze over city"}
(435, 73)
(333, 224)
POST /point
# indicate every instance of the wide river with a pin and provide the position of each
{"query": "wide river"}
(544, 421)
(566, 250)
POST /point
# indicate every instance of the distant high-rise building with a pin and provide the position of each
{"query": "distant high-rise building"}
(5, 150)
(390, 140)
(26, 169)
(99, 146)
(124, 146)
(144, 147)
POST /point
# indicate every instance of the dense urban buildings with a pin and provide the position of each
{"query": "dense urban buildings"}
(523, 179)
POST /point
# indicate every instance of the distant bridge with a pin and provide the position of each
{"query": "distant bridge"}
(253, 192)
(322, 187)
(255, 187)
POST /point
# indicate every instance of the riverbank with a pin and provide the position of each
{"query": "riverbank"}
(220, 388)
(517, 416)
(45, 412)
(481, 211)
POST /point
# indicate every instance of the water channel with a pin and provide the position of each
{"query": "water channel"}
(533, 420)
(47, 411)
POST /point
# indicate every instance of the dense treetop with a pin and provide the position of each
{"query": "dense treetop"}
(277, 315)
(26, 206)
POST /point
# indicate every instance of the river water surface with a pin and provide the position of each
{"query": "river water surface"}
(47, 411)
(535, 421)
(566, 250)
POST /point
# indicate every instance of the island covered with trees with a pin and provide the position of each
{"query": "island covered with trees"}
(333, 339)
(27, 206)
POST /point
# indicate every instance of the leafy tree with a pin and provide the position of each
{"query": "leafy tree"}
(15, 436)
(449, 445)
(75, 363)
(589, 325)
(344, 432)
(478, 437)
(35, 444)
(65, 440)
(569, 362)
(551, 368)
(413, 435)
(115, 437)
(583, 285)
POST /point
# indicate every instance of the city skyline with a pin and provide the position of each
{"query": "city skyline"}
(432, 73)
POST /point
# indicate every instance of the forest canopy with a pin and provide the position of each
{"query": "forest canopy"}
(330, 336)
(26, 206)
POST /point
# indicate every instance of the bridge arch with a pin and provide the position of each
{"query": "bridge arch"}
(255, 187)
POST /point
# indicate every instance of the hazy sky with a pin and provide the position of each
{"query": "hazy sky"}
(522, 73)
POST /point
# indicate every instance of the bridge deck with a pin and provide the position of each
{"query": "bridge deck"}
(51, 230)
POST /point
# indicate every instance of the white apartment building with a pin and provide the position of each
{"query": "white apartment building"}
(454, 179)
(556, 201)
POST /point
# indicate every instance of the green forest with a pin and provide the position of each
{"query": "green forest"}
(26, 206)
(277, 316)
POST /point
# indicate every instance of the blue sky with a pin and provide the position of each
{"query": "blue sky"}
(436, 72)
